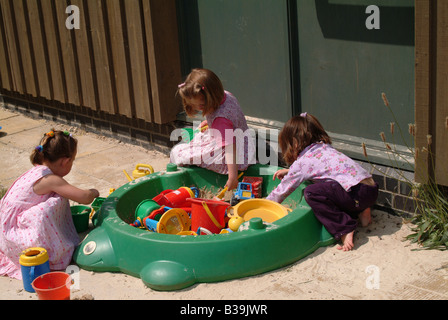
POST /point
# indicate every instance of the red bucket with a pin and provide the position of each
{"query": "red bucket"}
(175, 199)
(53, 286)
(208, 214)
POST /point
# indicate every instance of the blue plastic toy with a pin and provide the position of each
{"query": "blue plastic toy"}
(243, 192)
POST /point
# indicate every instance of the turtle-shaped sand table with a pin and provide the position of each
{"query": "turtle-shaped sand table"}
(172, 262)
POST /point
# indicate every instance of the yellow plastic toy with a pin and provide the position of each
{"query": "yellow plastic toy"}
(127, 176)
(235, 222)
(269, 211)
(139, 172)
(174, 221)
(33, 257)
(187, 233)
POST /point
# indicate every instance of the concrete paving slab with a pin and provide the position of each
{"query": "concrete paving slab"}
(15, 124)
(13, 162)
(5, 114)
(25, 140)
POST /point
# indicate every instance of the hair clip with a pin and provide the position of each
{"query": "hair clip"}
(303, 115)
(181, 85)
(50, 134)
(39, 148)
(203, 88)
(68, 134)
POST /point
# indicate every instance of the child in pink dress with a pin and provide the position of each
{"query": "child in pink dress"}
(35, 211)
(342, 191)
(227, 145)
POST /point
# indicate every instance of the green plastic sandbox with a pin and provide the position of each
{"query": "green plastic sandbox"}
(168, 262)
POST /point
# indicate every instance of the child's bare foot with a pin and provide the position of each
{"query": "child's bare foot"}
(365, 217)
(347, 242)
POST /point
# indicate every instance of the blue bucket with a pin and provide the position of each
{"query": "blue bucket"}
(34, 263)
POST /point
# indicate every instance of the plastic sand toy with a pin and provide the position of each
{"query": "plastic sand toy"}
(176, 261)
(243, 192)
(268, 211)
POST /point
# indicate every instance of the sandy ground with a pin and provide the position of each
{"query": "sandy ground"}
(383, 266)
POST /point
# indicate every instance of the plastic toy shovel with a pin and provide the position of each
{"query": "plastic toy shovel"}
(223, 192)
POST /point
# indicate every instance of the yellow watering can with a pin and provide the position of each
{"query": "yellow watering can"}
(141, 170)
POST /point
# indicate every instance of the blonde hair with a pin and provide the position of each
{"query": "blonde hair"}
(298, 133)
(53, 146)
(205, 83)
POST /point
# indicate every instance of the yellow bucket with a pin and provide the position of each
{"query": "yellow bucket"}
(269, 211)
(174, 221)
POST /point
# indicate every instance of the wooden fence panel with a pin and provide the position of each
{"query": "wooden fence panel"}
(5, 71)
(69, 63)
(54, 50)
(423, 63)
(38, 48)
(431, 96)
(104, 71)
(441, 116)
(138, 61)
(163, 56)
(117, 62)
(83, 56)
(13, 49)
(23, 39)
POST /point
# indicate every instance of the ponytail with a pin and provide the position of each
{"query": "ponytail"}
(53, 146)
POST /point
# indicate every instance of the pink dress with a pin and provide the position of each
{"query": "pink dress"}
(31, 220)
(207, 149)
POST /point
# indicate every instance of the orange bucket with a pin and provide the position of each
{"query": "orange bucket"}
(53, 286)
(208, 214)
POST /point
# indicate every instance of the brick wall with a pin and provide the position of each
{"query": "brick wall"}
(395, 189)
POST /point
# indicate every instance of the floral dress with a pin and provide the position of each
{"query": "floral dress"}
(31, 220)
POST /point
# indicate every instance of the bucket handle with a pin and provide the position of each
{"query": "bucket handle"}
(92, 213)
(211, 215)
(151, 169)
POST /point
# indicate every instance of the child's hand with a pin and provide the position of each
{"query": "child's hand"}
(95, 193)
(280, 174)
(232, 183)
(202, 125)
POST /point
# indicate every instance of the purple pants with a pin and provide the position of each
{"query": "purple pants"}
(338, 209)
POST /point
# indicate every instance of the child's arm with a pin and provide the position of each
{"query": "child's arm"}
(232, 181)
(54, 183)
(290, 181)
(280, 174)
